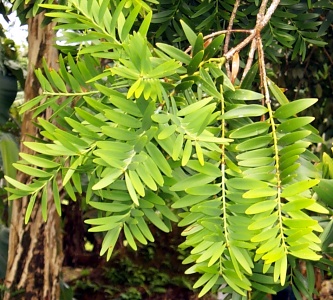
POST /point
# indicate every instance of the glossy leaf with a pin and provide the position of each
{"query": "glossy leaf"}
(293, 108)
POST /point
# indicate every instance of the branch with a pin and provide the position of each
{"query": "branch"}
(250, 59)
(206, 37)
(262, 21)
(227, 38)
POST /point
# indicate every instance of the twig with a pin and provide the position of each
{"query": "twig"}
(240, 46)
(262, 10)
(261, 23)
(262, 70)
(268, 15)
(209, 36)
(328, 56)
(250, 58)
(227, 38)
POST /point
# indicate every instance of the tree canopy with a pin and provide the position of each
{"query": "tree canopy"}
(169, 112)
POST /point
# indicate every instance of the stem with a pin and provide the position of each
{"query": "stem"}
(224, 206)
(250, 59)
(263, 80)
(227, 38)
(262, 21)
(70, 94)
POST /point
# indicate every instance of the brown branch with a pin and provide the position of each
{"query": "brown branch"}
(209, 36)
(328, 56)
(268, 15)
(250, 58)
(261, 23)
(262, 71)
(262, 10)
(227, 38)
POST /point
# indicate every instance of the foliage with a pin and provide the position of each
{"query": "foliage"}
(4, 234)
(128, 277)
(163, 135)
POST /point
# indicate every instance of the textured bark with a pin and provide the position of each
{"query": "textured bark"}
(35, 249)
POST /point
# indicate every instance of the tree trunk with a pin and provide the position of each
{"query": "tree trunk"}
(35, 249)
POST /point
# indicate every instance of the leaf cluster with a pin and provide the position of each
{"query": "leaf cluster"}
(163, 136)
(295, 26)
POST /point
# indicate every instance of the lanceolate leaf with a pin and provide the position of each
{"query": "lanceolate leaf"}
(293, 108)
(149, 131)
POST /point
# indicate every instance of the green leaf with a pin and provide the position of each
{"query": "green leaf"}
(58, 81)
(44, 204)
(262, 206)
(39, 161)
(159, 159)
(191, 36)
(175, 53)
(291, 109)
(199, 45)
(9, 153)
(109, 178)
(178, 147)
(110, 239)
(265, 235)
(277, 93)
(31, 171)
(167, 131)
(167, 68)
(155, 219)
(325, 191)
(243, 258)
(199, 152)
(243, 95)
(212, 281)
(146, 178)
(298, 187)
(129, 237)
(260, 193)
(208, 189)
(293, 124)
(192, 181)
(194, 107)
(238, 285)
(30, 207)
(255, 143)
(119, 133)
(293, 137)
(300, 223)
(188, 201)
(137, 184)
(249, 130)
(263, 222)
(195, 62)
(110, 207)
(214, 47)
(19, 185)
(208, 168)
(129, 22)
(144, 27)
(246, 183)
(295, 205)
(144, 229)
(249, 110)
(56, 196)
(131, 189)
(307, 254)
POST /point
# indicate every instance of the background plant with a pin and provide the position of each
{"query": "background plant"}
(163, 135)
